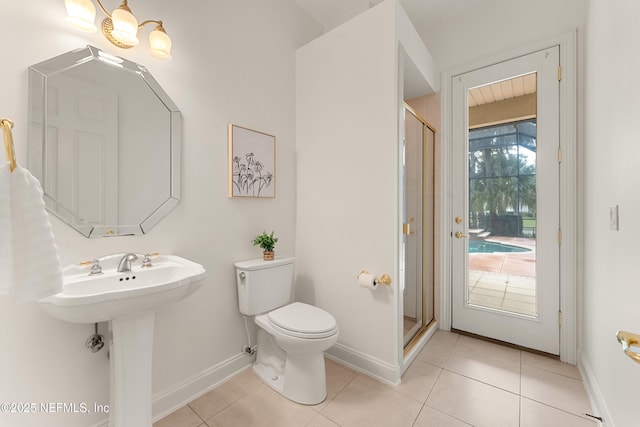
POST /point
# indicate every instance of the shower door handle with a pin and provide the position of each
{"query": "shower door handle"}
(406, 227)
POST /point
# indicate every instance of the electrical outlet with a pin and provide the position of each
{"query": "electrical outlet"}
(613, 218)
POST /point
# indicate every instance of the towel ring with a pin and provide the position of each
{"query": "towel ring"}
(9, 151)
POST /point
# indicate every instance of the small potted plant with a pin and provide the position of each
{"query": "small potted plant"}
(267, 242)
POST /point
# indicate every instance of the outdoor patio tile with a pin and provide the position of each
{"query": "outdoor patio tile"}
(521, 291)
(522, 281)
(514, 296)
(492, 284)
(489, 277)
(488, 292)
(519, 307)
(485, 301)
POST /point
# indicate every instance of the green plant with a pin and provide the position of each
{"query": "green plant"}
(266, 241)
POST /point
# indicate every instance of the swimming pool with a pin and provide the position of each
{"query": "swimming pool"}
(484, 247)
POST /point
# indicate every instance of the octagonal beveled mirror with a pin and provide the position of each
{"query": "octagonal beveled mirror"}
(104, 141)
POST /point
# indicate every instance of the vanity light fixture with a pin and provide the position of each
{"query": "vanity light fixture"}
(120, 27)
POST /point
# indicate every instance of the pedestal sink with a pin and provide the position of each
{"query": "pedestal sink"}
(128, 301)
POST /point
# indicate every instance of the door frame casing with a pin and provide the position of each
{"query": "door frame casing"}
(568, 184)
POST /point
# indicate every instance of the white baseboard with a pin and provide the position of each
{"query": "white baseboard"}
(170, 400)
(410, 356)
(176, 397)
(365, 364)
(593, 391)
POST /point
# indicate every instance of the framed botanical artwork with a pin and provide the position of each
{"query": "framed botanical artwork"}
(252, 163)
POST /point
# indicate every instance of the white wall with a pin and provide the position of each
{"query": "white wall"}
(347, 185)
(233, 61)
(348, 182)
(611, 153)
(498, 25)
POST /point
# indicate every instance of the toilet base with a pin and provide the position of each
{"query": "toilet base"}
(298, 377)
(303, 380)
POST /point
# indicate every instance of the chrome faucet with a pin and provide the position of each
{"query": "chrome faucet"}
(125, 262)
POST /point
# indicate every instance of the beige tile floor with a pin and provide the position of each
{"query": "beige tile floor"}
(455, 381)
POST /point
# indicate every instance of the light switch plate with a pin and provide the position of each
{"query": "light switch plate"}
(613, 218)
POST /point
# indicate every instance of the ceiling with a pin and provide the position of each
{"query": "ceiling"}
(423, 13)
(499, 91)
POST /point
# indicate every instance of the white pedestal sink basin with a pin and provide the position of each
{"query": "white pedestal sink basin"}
(127, 300)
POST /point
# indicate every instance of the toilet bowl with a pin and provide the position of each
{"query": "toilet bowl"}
(301, 375)
(292, 336)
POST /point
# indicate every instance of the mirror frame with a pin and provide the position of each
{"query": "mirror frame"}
(37, 138)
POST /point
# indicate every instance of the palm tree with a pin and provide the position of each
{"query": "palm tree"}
(500, 179)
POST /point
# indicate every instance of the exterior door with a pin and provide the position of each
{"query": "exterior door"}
(506, 253)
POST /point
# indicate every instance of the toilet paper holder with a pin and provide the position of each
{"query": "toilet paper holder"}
(385, 279)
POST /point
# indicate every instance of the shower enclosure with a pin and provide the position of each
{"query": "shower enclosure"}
(418, 226)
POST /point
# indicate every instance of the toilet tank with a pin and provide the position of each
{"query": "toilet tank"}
(263, 285)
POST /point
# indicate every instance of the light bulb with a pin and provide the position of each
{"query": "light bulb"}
(160, 43)
(125, 26)
(81, 14)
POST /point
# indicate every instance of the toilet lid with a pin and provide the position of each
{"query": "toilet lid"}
(303, 320)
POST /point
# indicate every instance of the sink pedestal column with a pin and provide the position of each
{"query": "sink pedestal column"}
(131, 356)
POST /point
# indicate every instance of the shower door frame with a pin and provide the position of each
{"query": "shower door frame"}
(407, 224)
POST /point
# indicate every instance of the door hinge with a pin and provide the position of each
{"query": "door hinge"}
(559, 154)
(559, 236)
(559, 72)
(559, 318)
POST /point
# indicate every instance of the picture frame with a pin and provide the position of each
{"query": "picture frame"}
(252, 163)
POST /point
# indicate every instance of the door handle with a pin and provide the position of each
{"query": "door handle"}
(627, 339)
(406, 227)
(460, 235)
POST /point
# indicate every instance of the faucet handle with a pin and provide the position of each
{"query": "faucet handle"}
(146, 262)
(95, 268)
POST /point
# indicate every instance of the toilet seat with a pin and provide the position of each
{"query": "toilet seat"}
(303, 321)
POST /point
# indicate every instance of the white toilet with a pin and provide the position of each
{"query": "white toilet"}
(292, 336)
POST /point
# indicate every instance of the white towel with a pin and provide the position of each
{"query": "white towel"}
(34, 267)
(6, 247)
